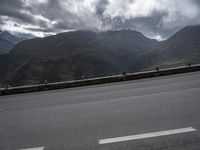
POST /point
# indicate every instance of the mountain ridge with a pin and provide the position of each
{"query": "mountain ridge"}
(181, 48)
(86, 54)
(8, 41)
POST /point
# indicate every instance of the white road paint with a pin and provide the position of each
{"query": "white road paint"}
(36, 148)
(146, 135)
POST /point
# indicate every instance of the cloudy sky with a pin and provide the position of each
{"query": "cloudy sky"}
(154, 18)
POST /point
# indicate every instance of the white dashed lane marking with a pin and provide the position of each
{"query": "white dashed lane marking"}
(146, 135)
(36, 148)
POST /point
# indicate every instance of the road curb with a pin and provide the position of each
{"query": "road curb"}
(101, 80)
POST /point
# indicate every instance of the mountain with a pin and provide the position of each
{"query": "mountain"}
(180, 49)
(5, 46)
(8, 41)
(87, 54)
(73, 55)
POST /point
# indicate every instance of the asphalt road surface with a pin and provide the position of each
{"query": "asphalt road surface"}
(152, 114)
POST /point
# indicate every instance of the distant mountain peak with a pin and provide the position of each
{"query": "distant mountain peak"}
(8, 41)
(7, 34)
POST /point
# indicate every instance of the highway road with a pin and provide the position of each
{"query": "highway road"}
(151, 114)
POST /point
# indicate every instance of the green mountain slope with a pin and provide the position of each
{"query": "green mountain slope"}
(74, 55)
(87, 54)
(182, 48)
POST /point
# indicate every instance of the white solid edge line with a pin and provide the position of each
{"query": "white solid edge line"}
(36, 148)
(146, 135)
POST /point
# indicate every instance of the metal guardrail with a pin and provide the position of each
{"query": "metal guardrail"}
(100, 80)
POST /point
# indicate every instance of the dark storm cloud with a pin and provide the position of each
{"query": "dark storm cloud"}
(17, 10)
(101, 6)
(153, 18)
(12, 8)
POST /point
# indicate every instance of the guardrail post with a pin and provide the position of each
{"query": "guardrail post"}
(45, 82)
(7, 87)
(189, 65)
(124, 73)
(157, 69)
